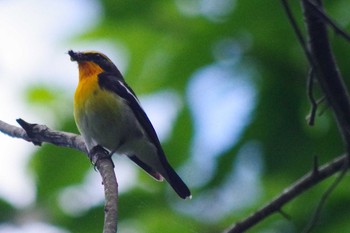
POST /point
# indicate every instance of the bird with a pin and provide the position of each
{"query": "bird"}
(109, 115)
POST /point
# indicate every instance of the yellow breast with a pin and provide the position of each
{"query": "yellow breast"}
(97, 112)
(88, 83)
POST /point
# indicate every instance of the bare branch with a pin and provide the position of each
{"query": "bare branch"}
(297, 31)
(104, 164)
(326, 70)
(13, 131)
(329, 21)
(41, 133)
(300, 186)
(38, 134)
(326, 195)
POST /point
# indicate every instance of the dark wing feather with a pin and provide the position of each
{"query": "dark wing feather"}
(111, 83)
(114, 83)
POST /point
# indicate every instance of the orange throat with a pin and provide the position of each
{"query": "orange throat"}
(88, 83)
(88, 69)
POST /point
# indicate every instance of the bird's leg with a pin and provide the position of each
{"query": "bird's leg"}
(112, 152)
(97, 153)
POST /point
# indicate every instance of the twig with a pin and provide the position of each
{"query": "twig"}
(327, 72)
(328, 20)
(326, 195)
(325, 108)
(310, 85)
(297, 31)
(300, 186)
(284, 214)
(300, 37)
(40, 133)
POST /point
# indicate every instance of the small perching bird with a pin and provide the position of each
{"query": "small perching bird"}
(108, 114)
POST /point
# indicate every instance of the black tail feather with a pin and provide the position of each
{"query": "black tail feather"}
(177, 183)
(147, 168)
(167, 172)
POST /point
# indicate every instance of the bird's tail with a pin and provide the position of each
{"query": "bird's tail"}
(176, 182)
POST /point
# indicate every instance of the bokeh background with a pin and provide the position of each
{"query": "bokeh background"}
(224, 83)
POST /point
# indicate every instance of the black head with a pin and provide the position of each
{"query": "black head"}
(92, 56)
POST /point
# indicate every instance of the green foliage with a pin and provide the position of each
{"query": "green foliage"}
(167, 47)
(40, 95)
(7, 211)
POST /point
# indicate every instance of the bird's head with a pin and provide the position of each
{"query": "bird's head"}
(90, 59)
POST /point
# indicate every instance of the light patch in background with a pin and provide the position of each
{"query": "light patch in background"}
(30, 34)
(16, 184)
(221, 100)
(214, 10)
(131, 226)
(34, 227)
(31, 31)
(77, 199)
(162, 108)
(240, 190)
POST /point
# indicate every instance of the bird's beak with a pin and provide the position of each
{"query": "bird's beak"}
(75, 56)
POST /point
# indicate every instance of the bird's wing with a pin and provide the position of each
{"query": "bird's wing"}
(115, 84)
(110, 82)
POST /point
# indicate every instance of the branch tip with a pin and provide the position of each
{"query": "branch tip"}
(29, 130)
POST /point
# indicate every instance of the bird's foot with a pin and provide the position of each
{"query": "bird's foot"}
(97, 153)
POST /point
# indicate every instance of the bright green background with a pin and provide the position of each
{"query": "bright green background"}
(166, 47)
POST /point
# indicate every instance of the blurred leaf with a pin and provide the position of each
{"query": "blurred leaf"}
(41, 95)
(7, 211)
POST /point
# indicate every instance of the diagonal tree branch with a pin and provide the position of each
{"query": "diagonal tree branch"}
(306, 182)
(326, 69)
(322, 62)
(38, 134)
(326, 195)
(329, 21)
